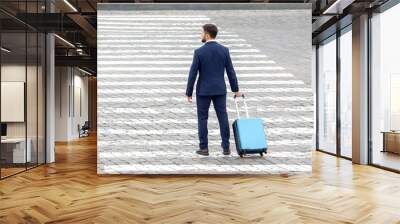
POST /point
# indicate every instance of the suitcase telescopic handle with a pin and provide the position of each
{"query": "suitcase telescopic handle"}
(237, 106)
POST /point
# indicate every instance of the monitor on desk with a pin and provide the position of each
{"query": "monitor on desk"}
(3, 130)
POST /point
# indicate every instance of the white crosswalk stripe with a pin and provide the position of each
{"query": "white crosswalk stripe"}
(192, 142)
(160, 19)
(148, 23)
(177, 28)
(138, 121)
(184, 75)
(180, 91)
(177, 111)
(258, 99)
(129, 41)
(168, 62)
(151, 51)
(271, 131)
(190, 46)
(166, 36)
(183, 83)
(140, 68)
(173, 56)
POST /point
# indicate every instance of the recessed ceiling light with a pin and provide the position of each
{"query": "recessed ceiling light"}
(64, 40)
(337, 7)
(5, 50)
(70, 5)
(84, 71)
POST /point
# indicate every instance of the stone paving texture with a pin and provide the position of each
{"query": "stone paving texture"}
(145, 125)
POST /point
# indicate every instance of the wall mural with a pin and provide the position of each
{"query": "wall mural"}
(146, 125)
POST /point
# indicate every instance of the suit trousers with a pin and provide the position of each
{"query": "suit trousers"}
(203, 105)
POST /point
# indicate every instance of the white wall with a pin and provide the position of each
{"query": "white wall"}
(12, 73)
(70, 84)
(80, 109)
(33, 126)
(15, 73)
(62, 81)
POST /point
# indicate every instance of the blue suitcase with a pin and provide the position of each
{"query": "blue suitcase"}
(249, 133)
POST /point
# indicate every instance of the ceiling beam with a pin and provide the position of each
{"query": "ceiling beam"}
(81, 61)
(86, 26)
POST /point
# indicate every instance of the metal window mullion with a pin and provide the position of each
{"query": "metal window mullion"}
(37, 91)
(69, 93)
(45, 91)
(369, 88)
(73, 91)
(0, 96)
(338, 92)
(26, 87)
(317, 97)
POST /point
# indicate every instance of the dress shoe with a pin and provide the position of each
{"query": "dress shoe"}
(227, 152)
(203, 152)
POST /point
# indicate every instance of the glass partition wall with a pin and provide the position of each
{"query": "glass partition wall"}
(334, 84)
(327, 95)
(334, 95)
(13, 89)
(345, 62)
(22, 77)
(385, 89)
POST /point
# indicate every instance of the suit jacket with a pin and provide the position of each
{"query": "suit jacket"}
(210, 61)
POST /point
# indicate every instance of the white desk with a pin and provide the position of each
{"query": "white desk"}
(18, 144)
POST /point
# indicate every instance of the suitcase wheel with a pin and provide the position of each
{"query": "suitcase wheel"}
(241, 155)
(261, 154)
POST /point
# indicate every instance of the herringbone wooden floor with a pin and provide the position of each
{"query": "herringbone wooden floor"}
(70, 191)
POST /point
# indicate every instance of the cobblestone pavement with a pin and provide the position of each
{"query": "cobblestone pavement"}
(145, 125)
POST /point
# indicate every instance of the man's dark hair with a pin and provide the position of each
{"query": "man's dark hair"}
(211, 29)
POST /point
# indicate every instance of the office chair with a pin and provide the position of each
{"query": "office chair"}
(84, 130)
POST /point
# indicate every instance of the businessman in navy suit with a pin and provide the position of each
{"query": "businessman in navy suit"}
(210, 61)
